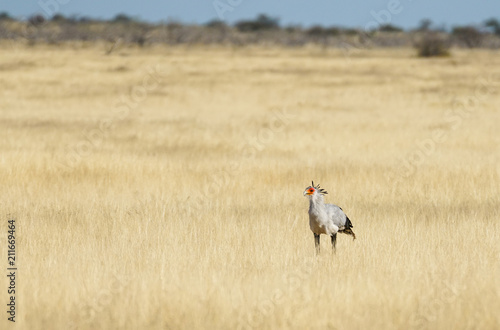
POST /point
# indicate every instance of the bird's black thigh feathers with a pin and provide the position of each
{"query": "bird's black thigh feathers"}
(348, 228)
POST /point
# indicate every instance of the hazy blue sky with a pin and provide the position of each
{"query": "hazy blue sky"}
(354, 13)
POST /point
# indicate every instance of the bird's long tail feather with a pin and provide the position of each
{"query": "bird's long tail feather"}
(348, 228)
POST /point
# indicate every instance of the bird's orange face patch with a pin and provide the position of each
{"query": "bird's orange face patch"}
(311, 191)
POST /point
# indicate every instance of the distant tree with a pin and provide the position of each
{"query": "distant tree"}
(58, 18)
(263, 22)
(36, 20)
(122, 18)
(316, 30)
(322, 35)
(320, 31)
(173, 25)
(425, 25)
(469, 35)
(351, 31)
(267, 22)
(432, 44)
(494, 25)
(216, 24)
(389, 28)
(140, 39)
(4, 16)
(441, 28)
(293, 28)
(84, 19)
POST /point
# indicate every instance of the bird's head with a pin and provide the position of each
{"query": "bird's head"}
(312, 190)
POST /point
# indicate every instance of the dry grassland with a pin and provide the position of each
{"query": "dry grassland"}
(162, 188)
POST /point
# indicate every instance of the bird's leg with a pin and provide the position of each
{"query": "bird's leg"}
(316, 242)
(334, 242)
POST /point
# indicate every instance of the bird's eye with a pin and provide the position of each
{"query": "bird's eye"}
(311, 190)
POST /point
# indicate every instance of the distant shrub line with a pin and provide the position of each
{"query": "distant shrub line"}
(429, 40)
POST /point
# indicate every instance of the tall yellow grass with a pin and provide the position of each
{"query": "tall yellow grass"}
(162, 188)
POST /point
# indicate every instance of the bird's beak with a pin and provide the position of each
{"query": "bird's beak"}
(306, 193)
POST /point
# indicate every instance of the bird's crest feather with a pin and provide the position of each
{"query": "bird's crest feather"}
(320, 190)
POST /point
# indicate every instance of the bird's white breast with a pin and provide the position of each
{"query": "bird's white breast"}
(319, 221)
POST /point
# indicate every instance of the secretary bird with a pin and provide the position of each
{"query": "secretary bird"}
(324, 218)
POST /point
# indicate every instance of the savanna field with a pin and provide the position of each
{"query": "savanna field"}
(161, 188)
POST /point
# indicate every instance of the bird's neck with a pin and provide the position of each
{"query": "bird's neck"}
(316, 203)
